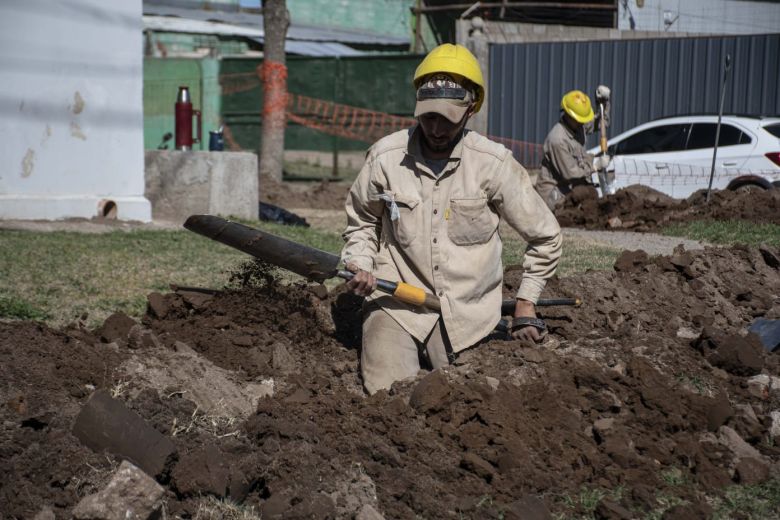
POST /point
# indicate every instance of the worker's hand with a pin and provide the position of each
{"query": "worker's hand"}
(602, 94)
(363, 283)
(600, 162)
(526, 309)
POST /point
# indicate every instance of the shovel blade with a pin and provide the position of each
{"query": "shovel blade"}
(306, 261)
(768, 332)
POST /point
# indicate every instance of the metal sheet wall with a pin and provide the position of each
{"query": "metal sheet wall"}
(649, 79)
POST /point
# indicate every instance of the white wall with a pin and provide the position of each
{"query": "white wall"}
(71, 109)
(703, 16)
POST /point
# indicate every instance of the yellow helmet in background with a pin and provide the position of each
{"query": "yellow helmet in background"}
(577, 105)
(456, 60)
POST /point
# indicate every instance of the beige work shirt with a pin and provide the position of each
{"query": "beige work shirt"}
(564, 159)
(441, 232)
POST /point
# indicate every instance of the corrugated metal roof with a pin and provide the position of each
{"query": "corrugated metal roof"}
(303, 48)
(295, 31)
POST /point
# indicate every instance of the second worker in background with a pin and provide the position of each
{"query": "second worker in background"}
(565, 163)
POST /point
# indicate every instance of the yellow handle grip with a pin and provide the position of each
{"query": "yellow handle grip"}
(409, 294)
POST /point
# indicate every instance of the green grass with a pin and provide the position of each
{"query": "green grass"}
(56, 277)
(756, 502)
(727, 232)
(578, 255)
(17, 308)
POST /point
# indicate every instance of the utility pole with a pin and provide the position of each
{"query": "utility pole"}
(726, 69)
(273, 73)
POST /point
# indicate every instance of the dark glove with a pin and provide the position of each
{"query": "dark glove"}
(529, 329)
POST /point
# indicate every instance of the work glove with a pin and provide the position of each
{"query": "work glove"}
(602, 94)
(525, 325)
(601, 162)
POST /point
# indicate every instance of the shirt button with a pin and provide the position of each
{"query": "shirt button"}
(435, 211)
(435, 267)
(441, 293)
(434, 240)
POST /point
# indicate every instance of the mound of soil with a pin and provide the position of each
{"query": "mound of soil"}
(641, 208)
(649, 390)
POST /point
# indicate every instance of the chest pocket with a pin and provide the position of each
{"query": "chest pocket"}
(405, 225)
(470, 221)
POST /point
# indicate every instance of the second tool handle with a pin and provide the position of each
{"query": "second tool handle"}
(403, 291)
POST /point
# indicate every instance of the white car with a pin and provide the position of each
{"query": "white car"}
(674, 155)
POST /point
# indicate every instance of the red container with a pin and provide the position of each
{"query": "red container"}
(184, 113)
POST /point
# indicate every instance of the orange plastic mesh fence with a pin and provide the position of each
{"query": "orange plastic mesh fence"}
(346, 121)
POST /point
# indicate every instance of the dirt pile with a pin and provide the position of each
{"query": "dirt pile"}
(641, 208)
(646, 399)
(291, 195)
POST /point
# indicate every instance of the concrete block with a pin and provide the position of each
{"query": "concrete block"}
(130, 495)
(105, 423)
(180, 184)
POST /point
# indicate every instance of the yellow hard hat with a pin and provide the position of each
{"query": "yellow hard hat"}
(452, 59)
(577, 105)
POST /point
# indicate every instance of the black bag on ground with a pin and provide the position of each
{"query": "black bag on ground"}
(271, 213)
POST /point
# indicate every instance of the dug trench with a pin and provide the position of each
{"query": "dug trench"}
(650, 397)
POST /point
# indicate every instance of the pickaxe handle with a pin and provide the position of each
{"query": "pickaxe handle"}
(403, 291)
(417, 296)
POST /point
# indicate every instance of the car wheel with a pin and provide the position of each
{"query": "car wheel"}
(748, 187)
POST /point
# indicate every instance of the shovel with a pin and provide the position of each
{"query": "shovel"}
(315, 264)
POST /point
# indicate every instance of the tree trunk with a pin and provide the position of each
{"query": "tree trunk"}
(274, 76)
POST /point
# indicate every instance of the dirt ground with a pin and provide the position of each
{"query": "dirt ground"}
(654, 400)
(640, 208)
(290, 195)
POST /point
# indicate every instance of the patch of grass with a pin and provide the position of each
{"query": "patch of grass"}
(756, 502)
(673, 476)
(14, 307)
(666, 503)
(65, 274)
(211, 508)
(578, 255)
(584, 502)
(727, 232)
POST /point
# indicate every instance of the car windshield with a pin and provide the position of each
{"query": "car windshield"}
(773, 129)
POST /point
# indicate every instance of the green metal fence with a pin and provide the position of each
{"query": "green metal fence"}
(377, 82)
(382, 83)
(162, 78)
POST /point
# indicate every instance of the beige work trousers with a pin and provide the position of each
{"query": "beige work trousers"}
(391, 354)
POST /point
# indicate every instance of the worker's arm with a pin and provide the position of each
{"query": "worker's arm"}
(515, 199)
(364, 221)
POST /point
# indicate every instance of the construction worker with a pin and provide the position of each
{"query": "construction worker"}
(565, 163)
(425, 209)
